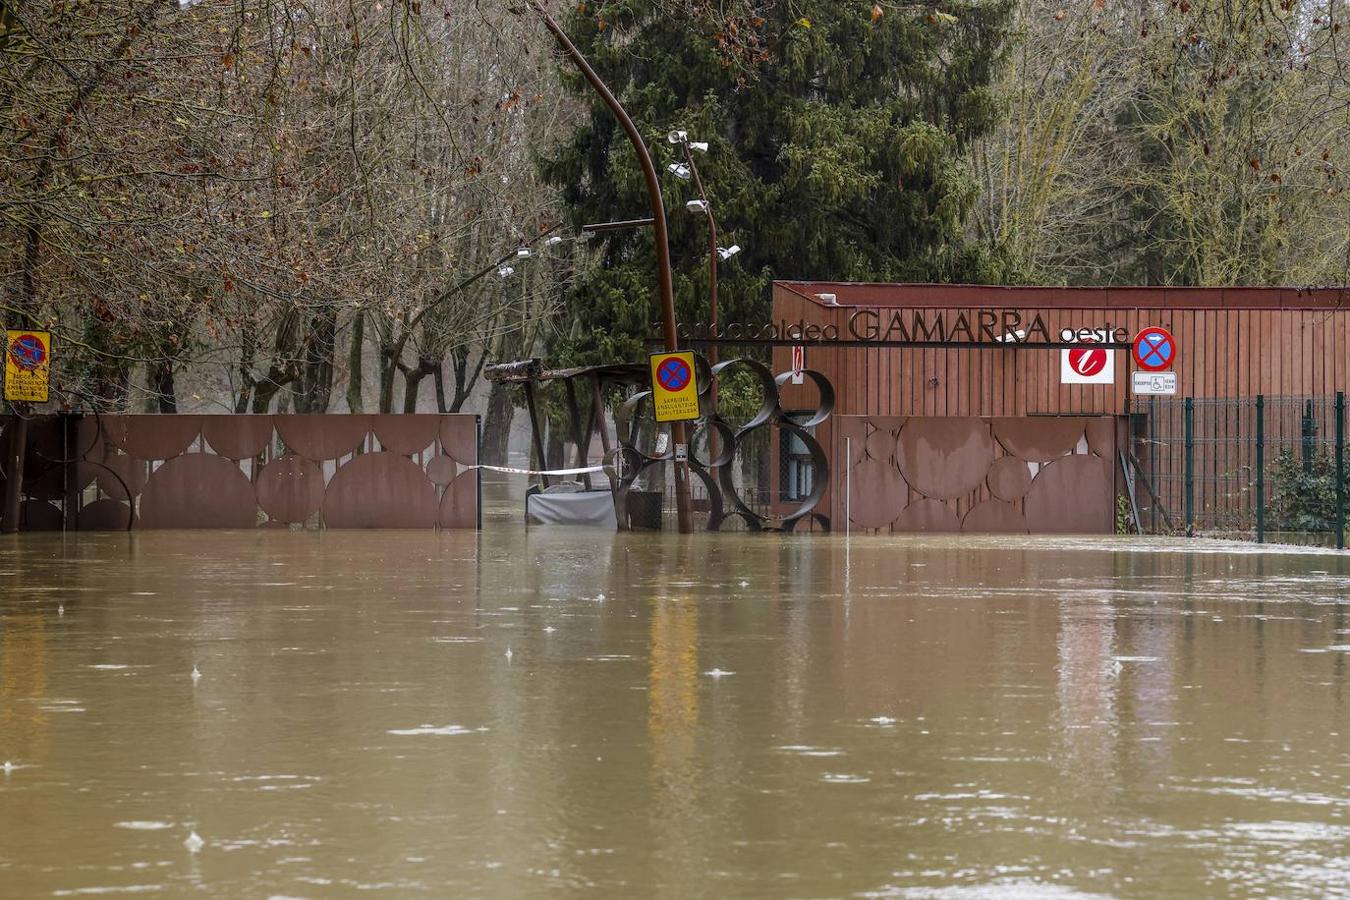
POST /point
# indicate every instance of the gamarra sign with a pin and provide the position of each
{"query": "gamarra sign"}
(986, 327)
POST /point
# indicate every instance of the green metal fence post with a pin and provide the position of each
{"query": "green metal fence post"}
(1260, 469)
(1340, 470)
(1190, 466)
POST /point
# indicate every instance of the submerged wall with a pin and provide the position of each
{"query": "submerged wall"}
(116, 472)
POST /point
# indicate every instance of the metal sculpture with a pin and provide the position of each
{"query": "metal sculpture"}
(630, 460)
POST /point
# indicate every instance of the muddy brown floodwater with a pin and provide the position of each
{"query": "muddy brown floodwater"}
(519, 714)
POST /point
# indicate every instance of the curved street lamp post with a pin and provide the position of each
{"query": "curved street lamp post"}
(679, 431)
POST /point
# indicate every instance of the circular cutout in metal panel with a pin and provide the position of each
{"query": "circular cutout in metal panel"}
(852, 431)
(1039, 438)
(945, 458)
(1009, 478)
(995, 517)
(237, 437)
(198, 490)
(458, 507)
(1101, 437)
(878, 494)
(120, 476)
(290, 489)
(160, 437)
(380, 490)
(442, 470)
(406, 434)
(322, 437)
(928, 515)
(459, 438)
(1072, 495)
(881, 445)
(105, 515)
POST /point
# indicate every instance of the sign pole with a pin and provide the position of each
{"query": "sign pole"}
(665, 277)
(27, 365)
(18, 440)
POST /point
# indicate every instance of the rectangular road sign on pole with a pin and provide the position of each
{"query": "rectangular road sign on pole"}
(1155, 383)
(674, 387)
(28, 361)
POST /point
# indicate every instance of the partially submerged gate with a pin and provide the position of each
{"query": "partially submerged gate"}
(118, 472)
(1017, 475)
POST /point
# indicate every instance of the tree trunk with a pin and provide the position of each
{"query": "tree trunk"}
(248, 349)
(355, 381)
(160, 373)
(412, 382)
(501, 410)
(268, 388)
(556, 450)
(465, 377)
(388, 366)
(439, 376)
(315, 390)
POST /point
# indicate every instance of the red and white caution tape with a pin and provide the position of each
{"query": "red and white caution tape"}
(510, 471)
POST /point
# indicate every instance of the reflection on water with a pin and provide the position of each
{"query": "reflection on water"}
(734, 715)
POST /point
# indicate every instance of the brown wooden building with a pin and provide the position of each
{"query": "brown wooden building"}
(977, 369)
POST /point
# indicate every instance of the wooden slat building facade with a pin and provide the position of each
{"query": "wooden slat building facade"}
(1232, 343)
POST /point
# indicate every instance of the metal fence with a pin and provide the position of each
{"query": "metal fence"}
(1260, 468)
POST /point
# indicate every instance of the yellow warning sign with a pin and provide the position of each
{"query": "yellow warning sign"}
(28, 362)
(674, 387)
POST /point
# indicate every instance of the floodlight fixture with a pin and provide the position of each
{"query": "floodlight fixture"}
(680, 171)
(698, 206)
(554, 241)
(728, 252)
(524, 253)
(829, 299)
(506, 272)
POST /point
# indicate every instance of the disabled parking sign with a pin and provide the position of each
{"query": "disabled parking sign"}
(28, 361)
(674, 387)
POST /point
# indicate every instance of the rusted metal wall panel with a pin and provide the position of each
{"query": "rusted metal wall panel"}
(1014, 475)
(197, 471)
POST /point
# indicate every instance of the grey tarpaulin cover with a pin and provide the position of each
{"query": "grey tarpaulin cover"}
(577, 508)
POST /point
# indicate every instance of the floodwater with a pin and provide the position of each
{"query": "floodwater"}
(560, 712)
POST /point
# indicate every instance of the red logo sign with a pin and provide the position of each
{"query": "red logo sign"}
(1155, 349)
(1087, 361)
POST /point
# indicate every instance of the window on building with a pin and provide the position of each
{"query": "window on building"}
(796, 475)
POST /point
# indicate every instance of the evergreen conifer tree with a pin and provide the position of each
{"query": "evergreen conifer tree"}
(837, 131)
